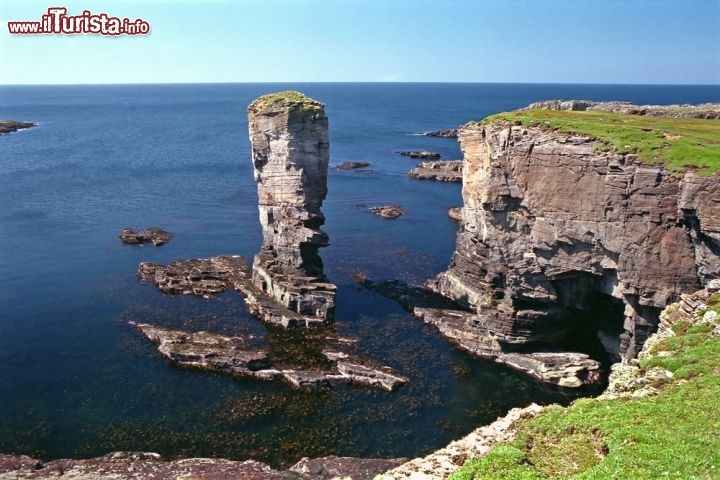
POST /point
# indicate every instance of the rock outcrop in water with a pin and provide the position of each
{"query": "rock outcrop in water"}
(155, 235)
(10, 126)
(290, 154)
(232, 355)
(442, 171)
(557, 235)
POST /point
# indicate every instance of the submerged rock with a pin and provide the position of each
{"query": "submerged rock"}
(425, 155)
(155, 235)
(290, 154)
(445, 171)
(388, 211)
(353, 165)
(231, 355)
(10, 126)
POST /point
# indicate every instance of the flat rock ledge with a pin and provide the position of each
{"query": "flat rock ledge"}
(442, 171)
(389, 212)
(155, 235)
(141, 466)
(231, 355)
(450, 133)
(565, 369)
(422, 154)
(443, 462)
(207, 277)
(10, 126)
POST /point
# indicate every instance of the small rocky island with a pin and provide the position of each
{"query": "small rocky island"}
(10, 126)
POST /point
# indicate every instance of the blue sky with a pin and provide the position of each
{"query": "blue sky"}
(563, 41)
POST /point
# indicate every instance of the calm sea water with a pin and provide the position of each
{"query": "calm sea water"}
(76, 380)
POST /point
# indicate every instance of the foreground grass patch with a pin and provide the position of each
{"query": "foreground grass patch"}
(676, 143)
(675, 434)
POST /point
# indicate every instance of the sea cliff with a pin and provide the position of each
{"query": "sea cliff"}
(566, 234)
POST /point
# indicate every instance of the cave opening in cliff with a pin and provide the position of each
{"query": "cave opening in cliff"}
(594, 318)
(598, 326)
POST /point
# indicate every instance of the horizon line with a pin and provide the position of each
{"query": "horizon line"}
(353, 82)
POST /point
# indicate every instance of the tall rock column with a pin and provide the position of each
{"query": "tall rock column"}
(289, 137)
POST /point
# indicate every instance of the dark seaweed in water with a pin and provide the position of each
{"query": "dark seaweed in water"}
(76, 380)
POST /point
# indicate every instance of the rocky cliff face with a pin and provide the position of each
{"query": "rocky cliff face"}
(560, 240)
(289, 137)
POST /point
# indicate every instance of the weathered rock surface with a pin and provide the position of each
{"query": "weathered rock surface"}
(388, 211)
(290, 154)
(10, 126)
(155, 235)
(444, 171)
(441, 463)
(353, 165)
(455, 213)
(551, 224)
(451, 133)
(232, 355)
(141, 466)
(203, 277)
(425, 155)
(706, 110)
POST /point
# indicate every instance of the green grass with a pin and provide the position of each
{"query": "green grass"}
(282, 99)
(675, 434)
(677, 143)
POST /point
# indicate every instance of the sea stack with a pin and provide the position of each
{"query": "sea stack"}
(290, 154)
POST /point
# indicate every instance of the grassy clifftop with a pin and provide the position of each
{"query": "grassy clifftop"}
(288, 98)
(674, 432)
(676, 143)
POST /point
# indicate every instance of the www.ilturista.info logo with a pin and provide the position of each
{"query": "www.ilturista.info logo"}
(57, 21)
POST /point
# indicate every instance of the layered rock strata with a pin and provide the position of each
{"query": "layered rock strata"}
(556, 234)
(232, 355)
(290, 154)
(207, 277)
(442, 171)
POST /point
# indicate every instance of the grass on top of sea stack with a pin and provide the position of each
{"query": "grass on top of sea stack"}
(677, 143)
(674, 434)
(283, 99)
